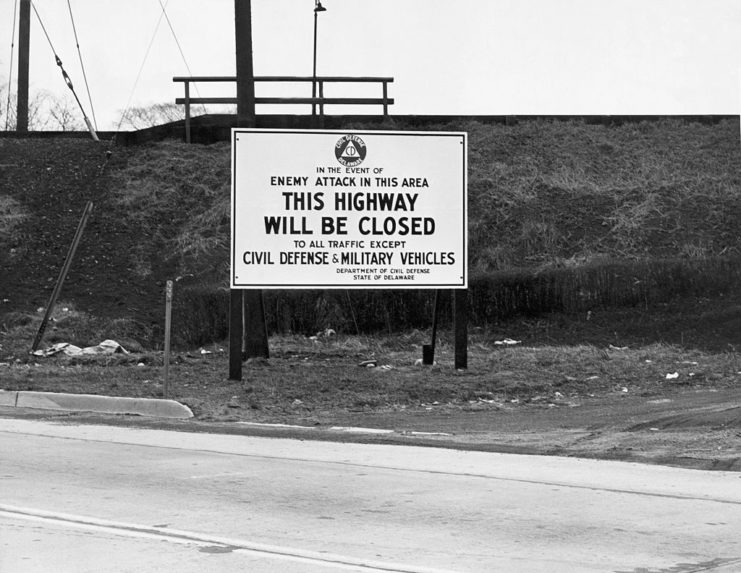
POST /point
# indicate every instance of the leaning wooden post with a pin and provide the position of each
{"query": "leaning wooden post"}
(63, 274)
(460, 327)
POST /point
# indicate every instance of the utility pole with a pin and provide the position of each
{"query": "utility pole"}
(247, 309)
(245, 71)
(24, 48)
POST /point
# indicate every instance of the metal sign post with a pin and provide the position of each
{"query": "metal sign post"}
(168, 326)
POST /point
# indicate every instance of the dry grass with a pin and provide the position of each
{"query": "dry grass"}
(544, 196)
(541, 193)
(548, 192)
(181, 193)
(307, 377)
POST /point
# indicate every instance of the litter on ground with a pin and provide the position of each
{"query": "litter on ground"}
(105, 347)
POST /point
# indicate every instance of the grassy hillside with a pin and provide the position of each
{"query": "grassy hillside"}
(543, 195)
(550, 193)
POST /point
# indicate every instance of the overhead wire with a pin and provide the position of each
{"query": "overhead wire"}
(165, 16)
(82, 65)
(10, 74)
(66, 77)
(43, 28)
(180, 49)
(141, 68)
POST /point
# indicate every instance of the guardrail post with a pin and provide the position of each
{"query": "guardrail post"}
(385, 98)
(187, 111)
(321, 96)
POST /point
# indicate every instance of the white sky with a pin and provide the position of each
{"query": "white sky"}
(488, 57)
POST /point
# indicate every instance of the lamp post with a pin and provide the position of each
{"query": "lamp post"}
(317, 8)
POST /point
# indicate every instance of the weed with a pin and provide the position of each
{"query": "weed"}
(12, 214)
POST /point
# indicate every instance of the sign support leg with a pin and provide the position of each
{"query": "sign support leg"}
(235, 334)
(255, 325)
(428, 350)
(460, 327)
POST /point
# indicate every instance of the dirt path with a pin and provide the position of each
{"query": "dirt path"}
(698, 429)
(694, 429)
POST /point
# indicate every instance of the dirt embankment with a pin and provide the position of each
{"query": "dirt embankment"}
(551, 396)
(46, 184)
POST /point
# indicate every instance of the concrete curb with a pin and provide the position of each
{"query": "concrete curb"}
(8, 398)
(92, 403)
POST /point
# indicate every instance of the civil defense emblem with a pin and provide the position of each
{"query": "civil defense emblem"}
(350, 150)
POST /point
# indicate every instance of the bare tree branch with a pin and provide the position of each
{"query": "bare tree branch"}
(151, 115)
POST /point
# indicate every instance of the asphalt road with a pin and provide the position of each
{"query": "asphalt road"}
(78, 498)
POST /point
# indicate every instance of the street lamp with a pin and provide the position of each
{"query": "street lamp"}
(317, 8)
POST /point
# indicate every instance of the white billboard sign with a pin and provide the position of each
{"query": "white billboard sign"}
(348, 209)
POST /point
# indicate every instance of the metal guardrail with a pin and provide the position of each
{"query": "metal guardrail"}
(315, 102)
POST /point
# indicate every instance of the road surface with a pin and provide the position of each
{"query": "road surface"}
(79, 498)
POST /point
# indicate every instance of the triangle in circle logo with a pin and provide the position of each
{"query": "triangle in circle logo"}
(350, 152)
